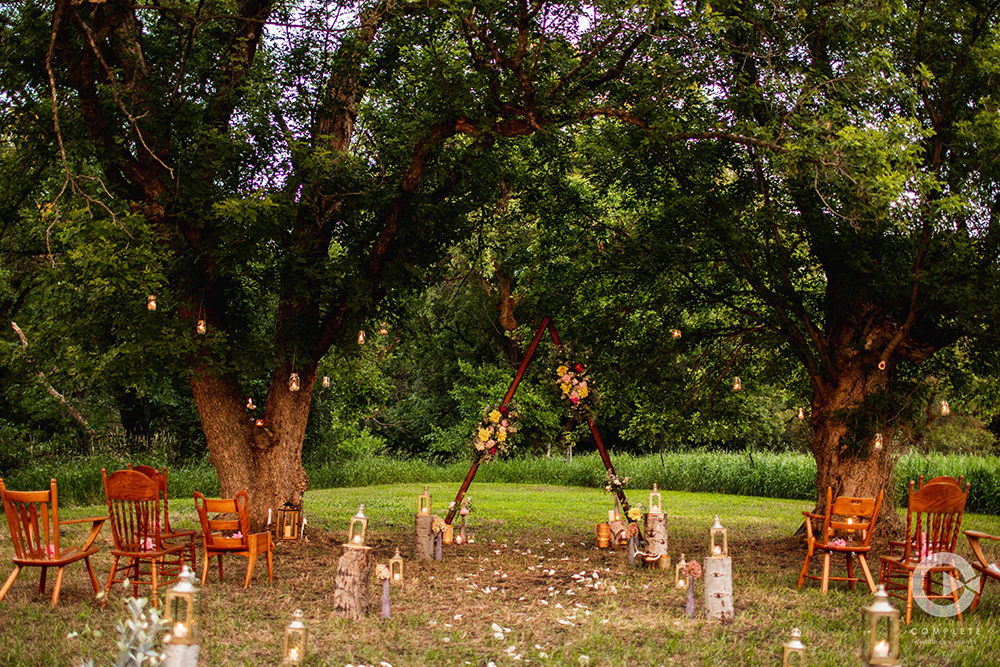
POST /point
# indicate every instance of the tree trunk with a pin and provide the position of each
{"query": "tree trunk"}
(264, 457)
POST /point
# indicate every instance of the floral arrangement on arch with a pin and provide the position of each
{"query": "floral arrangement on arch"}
(573, 383)
(495, 431)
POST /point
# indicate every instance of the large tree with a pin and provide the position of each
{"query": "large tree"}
(281, 172)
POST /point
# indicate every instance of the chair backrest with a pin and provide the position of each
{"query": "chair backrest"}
(134, 510)
(218, 530)
(160, 477)
(934, 519)
(940, 480)
(33, 518)
(851, 514)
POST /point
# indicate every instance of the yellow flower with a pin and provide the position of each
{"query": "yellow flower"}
(583, 391)
(484, 434)
(501, 436)
(566, 388)
(562, 370)
(495, 416)
(635, 513)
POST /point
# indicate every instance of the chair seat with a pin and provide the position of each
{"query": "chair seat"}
(222, 536)
(66, 555)
(845, 548)
(849, 517)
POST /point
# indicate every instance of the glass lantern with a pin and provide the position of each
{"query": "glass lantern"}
(288, 522)
(326, 381)
(880, 642)
(676, 333)
(296, 636)
(201, 327)
(655, 501)
(396, 568)
(680, 573)
(358, 528)
(878, 442)
(151, 302)
(794, 653)
(718, 541)
(361, 337)
(737, 385)
(181, 608)
(802, 413)
(293, 382)
(384, 329)
(945, 409)
(424, 502)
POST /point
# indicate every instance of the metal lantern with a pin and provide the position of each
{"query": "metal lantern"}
(384, 329)
(676, 333)
(151, 302)
(680, 573)
(424, 502)
(655, 501)
(181, 607)
(880, 643)
(358, 528)
(293, 382)
(201, 327)
(737, 385)
(945, 409)
(361, 337)
(326, 381)
(289, 517)
(881, 365)
(296, 637)
(250, 404)
(878, 442)
(396, 568)
(718, 541)
(802, 413)
(794, 654)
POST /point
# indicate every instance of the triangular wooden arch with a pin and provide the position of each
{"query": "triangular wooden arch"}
(545, 325)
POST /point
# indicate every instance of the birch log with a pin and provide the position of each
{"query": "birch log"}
(424, 547)
(657, 539)
(719, 588)
(351, 590)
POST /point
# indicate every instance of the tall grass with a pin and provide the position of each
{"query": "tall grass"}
(787, 476)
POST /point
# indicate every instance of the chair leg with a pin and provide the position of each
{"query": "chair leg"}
(802, 575)
(58, 585)
(93, 575)
(972, 607)
(41, 580)
(155, 571)
(10, 581)
(270, 563)
(826, 572)
(909, 597)
(220, 569)
(868, 574)
(111, 579)
(206, 561)
(850, 571)
(252, 557)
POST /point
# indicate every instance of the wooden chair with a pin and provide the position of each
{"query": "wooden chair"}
(35, 527)
(231, 535)
(168, 533)
(933, 522)
(986, 569)
(134, 508)
(944, 479)
(854, 520)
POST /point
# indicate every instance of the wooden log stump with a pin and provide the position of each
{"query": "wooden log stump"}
(657, 538)
(354, 572)
(719, 588)
(617, 532)
(424, 547)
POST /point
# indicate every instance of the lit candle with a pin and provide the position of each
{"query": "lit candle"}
(288, 532)
(681, 583)
(395, 575)
(269, 516)
(717, 550)
(472, 538)
(180, 630)
(611, 516)
(881, 650)
(293, 654)
(356, 539)
(458, 539)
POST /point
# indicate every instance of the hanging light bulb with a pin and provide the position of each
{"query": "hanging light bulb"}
(151, 302)
(737, 385)
(250, 405)
(326, 381)
(802, 413)
(881, 365)
(945, 409)
(361, 337)
(293, 382)
(201, 327)
(676, 333)
(878, 442)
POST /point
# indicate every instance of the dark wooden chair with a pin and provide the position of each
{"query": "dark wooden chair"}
(35, 527)
(169, 533)
(137, 529)
(230, 534)
(933, 524)
(983, 566)
(848, 524)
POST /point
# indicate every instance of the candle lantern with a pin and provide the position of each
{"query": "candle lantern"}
(945, 409)
(326, 381)
(880, 643)
(201, 327)
(358, 528)
(181, 607)
(424, 502)
(655, 501)
(737, 385)
(361, 337)
(396, 568)
(288, 522)
(878, 442)
(384, 329)
(676, 333)
(151, 302)
(794, 654)
(802, 413)
(296, 636)
(718, 542)
(293, 382)
(680, 573)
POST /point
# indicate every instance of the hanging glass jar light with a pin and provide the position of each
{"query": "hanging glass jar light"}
(737, 385)
(802, 413)
(326, 381)
(676, 333)
(384, 329)
(293, 382)
(361, 337)
(201, 327)
(878, 442)
(151, 302)
(945, 409)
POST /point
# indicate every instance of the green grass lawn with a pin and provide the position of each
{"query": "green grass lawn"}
(530, 574)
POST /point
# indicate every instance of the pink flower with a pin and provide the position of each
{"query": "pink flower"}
(574, 400)
(491, 443)
(238, 535)
(566, 378)
(504, 423)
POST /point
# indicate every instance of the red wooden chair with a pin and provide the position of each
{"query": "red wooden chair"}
(231, 535)
(35, 527)
(134, 508)
(983, 566)
(168, 533)
(848, 525)
(933, 524)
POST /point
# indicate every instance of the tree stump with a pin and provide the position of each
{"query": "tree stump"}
(617, 532)
(351, 590)
(657, 539)
(180, 655)
(719, 588)
(424, 547)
